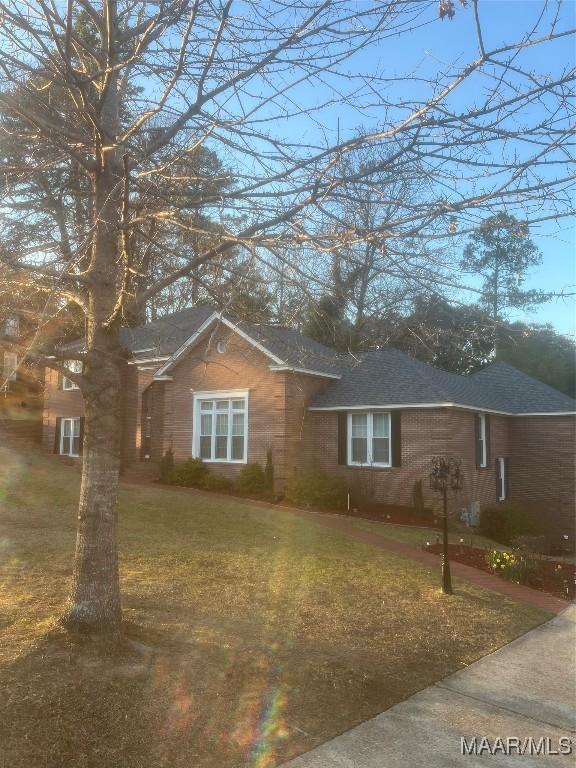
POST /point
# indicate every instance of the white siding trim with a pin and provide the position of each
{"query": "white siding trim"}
(396, 407)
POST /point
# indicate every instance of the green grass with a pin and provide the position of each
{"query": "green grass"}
(409, 534)
(265, 635)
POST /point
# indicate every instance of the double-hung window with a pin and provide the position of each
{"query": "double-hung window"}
(70, 437)
(76, 367)
(221, 426)
(369, 439)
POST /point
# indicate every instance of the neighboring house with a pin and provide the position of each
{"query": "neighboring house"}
(20, 383)
(227, 392)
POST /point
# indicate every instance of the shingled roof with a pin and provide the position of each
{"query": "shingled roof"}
(389, 377)
(164, 336)
(378, 378)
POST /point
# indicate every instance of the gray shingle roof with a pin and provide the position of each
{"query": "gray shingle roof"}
(166, 335)
(294, 349)
(390, 377)
(383, 377)
(520, 393)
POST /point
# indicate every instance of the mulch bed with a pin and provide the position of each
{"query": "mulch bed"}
(559, 582)
(392, 514)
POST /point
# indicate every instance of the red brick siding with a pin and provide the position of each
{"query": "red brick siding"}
(241, 367)
(425, 433)
(542, 467)
(58, 402)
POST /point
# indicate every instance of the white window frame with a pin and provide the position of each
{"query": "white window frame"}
(482, 436)
(370, 424)
(228, 394)
(76, 367)
(10, 370)
(12, 326)
(501, 478)
(71, 437)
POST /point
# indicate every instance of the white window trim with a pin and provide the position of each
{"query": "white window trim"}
(67, 383)
(10, 370)
(502, 478)
(484, 456)
(12, 323)
(222, 394)
(72, 455)
(369, 462)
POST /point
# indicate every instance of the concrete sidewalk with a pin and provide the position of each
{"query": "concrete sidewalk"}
(525, 689)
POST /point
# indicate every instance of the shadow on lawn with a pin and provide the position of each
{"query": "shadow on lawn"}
(75, 702)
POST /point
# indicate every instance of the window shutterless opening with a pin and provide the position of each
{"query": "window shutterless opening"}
(220, 428)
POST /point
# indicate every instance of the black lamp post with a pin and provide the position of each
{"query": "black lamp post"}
(445, 475)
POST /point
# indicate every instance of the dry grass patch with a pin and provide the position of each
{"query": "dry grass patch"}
(257, 635)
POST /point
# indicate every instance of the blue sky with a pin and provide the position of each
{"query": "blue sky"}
(454, 40)
(443, 43)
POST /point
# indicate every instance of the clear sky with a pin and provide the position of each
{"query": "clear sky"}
(556, 240)
(437, 44)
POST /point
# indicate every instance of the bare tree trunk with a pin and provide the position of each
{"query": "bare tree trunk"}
(94, 600)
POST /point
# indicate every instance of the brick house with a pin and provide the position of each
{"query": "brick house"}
(229, 393)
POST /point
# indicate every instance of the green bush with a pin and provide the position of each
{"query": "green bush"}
(418, 501)
(191, 473)
(216, 482)
(166, 466)
(317, 489)
(269, 471)
(506, 521)
(511, 565)
(251, 479)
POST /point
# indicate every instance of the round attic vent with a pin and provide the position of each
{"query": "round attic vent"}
(221, 346)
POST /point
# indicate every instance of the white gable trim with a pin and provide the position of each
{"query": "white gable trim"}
(216, 316)
(140, 360)
(307, 371)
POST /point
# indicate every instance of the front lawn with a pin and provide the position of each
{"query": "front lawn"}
(413, 534)
(260, 634)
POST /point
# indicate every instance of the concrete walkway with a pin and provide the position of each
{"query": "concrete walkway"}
(525, 689)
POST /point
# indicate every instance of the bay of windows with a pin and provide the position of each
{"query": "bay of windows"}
(369, 439)
(221, 428)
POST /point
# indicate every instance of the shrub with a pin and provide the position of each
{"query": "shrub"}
(418, 501)
(251, 479)
(318, 489)
(507, 521)
(166, 466)
(191, 473)
(511, 565)
(269, 471)
(216, 482)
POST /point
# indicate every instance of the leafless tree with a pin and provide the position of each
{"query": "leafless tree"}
(115, 98)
